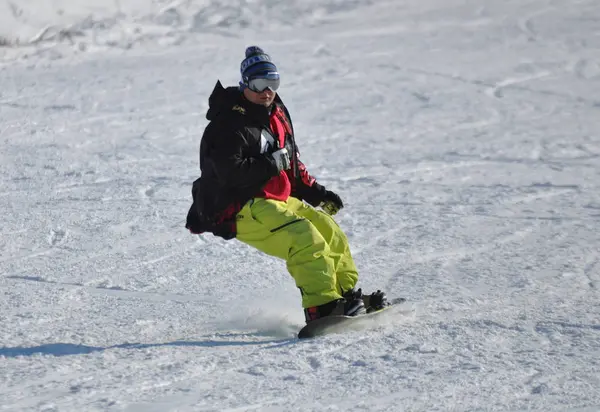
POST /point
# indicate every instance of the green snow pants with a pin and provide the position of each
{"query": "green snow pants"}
(310, 241)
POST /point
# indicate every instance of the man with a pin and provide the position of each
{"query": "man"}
(253, 185)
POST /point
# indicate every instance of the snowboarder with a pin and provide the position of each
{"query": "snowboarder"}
(253, 187)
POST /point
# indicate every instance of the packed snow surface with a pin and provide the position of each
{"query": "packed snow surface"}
(462, 135)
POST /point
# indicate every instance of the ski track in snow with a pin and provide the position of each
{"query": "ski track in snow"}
(463, 138)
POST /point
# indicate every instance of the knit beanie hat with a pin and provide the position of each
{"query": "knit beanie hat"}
(256, 65)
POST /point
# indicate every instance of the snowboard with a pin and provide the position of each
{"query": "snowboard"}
(337, 324)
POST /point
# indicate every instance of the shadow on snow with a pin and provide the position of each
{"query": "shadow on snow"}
(66, 349)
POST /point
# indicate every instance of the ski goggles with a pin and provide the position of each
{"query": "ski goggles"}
(260, 84)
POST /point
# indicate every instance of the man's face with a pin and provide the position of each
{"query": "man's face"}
(264, 98)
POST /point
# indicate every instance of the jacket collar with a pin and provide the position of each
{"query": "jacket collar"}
(223, 100)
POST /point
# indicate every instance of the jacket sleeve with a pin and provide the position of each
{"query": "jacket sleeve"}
(305, 186)
(235, 167)
(305, 177)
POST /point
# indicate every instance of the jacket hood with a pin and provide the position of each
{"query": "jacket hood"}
(221, 99)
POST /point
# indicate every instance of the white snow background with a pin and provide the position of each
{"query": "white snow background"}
(462, 135)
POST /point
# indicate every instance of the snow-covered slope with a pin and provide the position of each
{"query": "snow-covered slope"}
(60, 28)
(463, 137)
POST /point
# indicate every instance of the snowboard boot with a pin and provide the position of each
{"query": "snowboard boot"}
(377, 301)
(373, 302)
(339, 307)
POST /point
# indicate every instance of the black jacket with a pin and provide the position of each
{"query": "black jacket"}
(235, 167)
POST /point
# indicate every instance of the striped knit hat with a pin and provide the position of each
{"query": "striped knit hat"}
(256, 65)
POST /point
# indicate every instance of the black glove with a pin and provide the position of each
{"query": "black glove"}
(316, 195)
(331, 203)
(280, 159)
